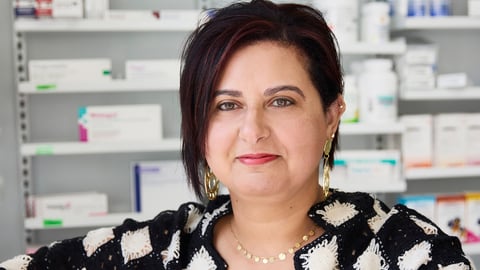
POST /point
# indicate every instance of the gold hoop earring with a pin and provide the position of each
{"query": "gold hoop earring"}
(326, 168)
(211, 184)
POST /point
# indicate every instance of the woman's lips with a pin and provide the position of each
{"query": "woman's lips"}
(256, 159)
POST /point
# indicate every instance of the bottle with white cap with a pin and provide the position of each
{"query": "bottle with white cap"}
(378, 91)
(342, 18)
(375, 22)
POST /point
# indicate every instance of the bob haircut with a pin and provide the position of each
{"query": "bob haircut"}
(210, 46)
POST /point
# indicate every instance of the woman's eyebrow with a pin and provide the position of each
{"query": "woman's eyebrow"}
(276, 89)
(228, 92)
(268, 92)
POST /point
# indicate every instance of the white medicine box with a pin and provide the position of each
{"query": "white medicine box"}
(450, 215)
(155, 69)
(158, 186)
(449, 139)
(472, 122)
(67, 9)
(370, 168)
(70, 70)
(417, 140)
(70, 204)
(131, 123)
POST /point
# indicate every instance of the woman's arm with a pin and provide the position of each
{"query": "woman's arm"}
(132, 243)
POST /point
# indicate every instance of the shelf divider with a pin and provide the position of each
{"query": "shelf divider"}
(79, 148)
(188, 23)
(166, 84)
(370, 129)
(413, 174)
(470, 93)
(113, 219)
(436, 23)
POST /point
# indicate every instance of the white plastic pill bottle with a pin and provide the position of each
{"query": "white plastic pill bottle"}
(341, 16)
(375, 22)
(378, 91)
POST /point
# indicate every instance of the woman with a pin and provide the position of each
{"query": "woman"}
(261, 99)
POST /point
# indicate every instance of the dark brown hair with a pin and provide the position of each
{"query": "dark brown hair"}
(209, 47)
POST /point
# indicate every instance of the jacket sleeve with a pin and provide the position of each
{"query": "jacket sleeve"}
(412, 241)
(138, 244)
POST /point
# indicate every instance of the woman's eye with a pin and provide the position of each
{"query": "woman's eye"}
(282, 102)
(227, 106)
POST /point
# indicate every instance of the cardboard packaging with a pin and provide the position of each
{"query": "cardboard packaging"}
(472, 129)
(121, 123)
(67, 9)
(43, 8)
(159, 69)
(69, 70)
(449, 140)
(472, 210)
(450, 215)
(158, 186)
(417, 140)
(424, 204)
(372, 166)
(70, 204)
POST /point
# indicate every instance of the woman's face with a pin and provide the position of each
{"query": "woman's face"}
(267, 127)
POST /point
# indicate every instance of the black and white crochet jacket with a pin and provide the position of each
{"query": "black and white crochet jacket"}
(360, 233)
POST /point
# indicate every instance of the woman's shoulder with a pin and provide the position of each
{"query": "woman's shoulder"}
(348, 206)
(380, 218)
(396, 237)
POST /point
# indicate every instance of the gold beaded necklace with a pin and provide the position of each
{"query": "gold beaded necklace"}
(282, 256)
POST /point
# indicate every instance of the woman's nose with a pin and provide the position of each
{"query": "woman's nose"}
(254, 126)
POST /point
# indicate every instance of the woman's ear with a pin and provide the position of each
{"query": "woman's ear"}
(334, 114)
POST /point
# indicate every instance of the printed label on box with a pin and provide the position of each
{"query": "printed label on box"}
(450, 215)
(472, 122)
(473, 217)
(449, 140)
(71, 204)
(152, 69)
(417, 143)
(69, 70)
(120, 123)
(159, 185)
(368, 165)
(67, 9)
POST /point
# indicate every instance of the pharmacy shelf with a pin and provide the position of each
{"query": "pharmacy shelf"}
(413, 174)
(437, 23)
(82, 222)
(370, 129)
(370, 186)
(442, 94)
(91, 25)
(167, 84)
(363, 48)
(79, 148)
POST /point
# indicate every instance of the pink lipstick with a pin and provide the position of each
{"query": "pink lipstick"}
(256, 159)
